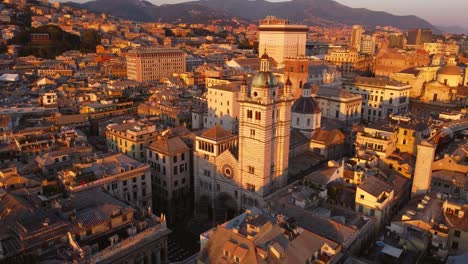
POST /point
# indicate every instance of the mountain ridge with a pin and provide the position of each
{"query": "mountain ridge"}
(310, 12)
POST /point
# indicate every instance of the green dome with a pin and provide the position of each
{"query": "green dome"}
(261, 78)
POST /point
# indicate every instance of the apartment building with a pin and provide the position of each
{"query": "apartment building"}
(169, 158)
(152, 64)
(120, 175)
(380, 96)
(131, 138)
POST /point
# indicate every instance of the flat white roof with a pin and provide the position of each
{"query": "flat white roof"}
(392, 251)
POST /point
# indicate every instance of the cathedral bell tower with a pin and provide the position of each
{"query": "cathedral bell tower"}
(264, 135)
(297, 70)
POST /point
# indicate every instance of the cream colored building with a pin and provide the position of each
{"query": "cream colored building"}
(130, 138)
(223, 107)
(280, 39)
(380, 96)
(423, 171)
(374, 198)
(120, 175)
(441, 48)
(416, 77)
(233, 173)
(169, 158)
(152, 64)
(379, 139)
(356, 37)
(336, 103)
(368, 45)
(349, 61)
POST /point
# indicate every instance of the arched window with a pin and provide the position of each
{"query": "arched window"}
(249, 113)
(258, 116)
(300, 84)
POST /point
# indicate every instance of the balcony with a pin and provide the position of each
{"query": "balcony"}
(376, 135)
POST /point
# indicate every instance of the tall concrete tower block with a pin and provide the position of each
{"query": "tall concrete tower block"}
(297, 70)
(356, 37)
(280, 39)
(423, 171)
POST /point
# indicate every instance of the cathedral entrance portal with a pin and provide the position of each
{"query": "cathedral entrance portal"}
(204, 207)
(225, 208)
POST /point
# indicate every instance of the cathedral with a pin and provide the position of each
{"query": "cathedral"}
(235, 172)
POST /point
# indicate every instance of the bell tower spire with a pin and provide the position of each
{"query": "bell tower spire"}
(265, 62)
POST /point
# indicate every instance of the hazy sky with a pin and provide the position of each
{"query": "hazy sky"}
(438, 12)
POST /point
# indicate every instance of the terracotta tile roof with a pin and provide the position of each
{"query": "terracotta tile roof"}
(328, 137)
(375, 186)
(169, 145)
(217, 133)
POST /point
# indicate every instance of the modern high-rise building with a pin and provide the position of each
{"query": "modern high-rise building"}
(368, 45)
(396, 40)
(356, 37)
(280, 39)
(152, 64)
(419, 36)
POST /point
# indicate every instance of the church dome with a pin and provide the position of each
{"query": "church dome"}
(307, 86)
(261, 78)
(305, 105)
(450, 70)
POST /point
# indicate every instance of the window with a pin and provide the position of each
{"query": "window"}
(258, 116)
(372, 212)
(252, 132)
(207, 173)
(236, 259)
(362, 196)
(405, 132)
(174, 159)
(226, 253)
(298, 121)
(182, 156)
(175, 170)
(360, 209)
(404, 142)
(457, 233)
(250, 187)
(337, 114)
(455, 245)
(249, 113)
(251, 169)
(308, 121)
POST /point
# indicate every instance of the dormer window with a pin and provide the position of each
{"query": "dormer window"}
(236, 259)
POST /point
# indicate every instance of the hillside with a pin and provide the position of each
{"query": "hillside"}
(308, 11)
(311, 12)
(143, 11)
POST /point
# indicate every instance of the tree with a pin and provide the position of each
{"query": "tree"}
(90, 40)
(168, 32)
